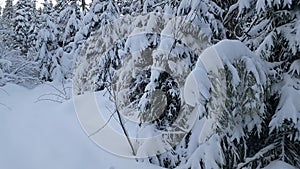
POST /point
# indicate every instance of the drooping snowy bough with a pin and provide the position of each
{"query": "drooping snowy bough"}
(234, 107)
(142, 62)
(188, 113)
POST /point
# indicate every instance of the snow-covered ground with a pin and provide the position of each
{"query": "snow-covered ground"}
(47, 135)
(277, 164)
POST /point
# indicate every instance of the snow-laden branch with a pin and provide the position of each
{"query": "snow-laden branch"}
(258, 155)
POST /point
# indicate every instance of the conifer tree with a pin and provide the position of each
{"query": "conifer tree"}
(47, 44)
(22, 22)
(8, 10)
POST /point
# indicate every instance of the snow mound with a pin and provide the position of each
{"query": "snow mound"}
(277, 164)
(47, 135)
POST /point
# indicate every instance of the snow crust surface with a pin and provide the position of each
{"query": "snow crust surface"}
(47, 135)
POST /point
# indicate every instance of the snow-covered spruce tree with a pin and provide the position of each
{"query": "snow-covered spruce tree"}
(137, 7)
(4, 67)
(196, 13)
(69, 22)
(1, 21)
(272, 29)
(21, 23)
(141, 60)
(229, 19)
(6, 23)
(146, 67)
(8, 10)
(233, 106)
(140, 65)
(83, 6)
(126, 6)
(33, 33)
(206, 15)
(168, 7)
(4, 63)
(242, 120)
(152, 5)
(101, 12)
(47, 43)
(147, 78)
(60, 5)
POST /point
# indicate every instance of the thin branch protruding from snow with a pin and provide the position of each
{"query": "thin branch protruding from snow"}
(4, 91)
(61, 95)
(102, 127)
(4, 105)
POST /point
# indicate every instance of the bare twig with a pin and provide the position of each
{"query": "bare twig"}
(48, 99)
(52, 100)
(61, 95)
(125, 132)
(19, 68)
(4, 91)
(113, 94)
(58, 90)
(4, 105)
(102, 127)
